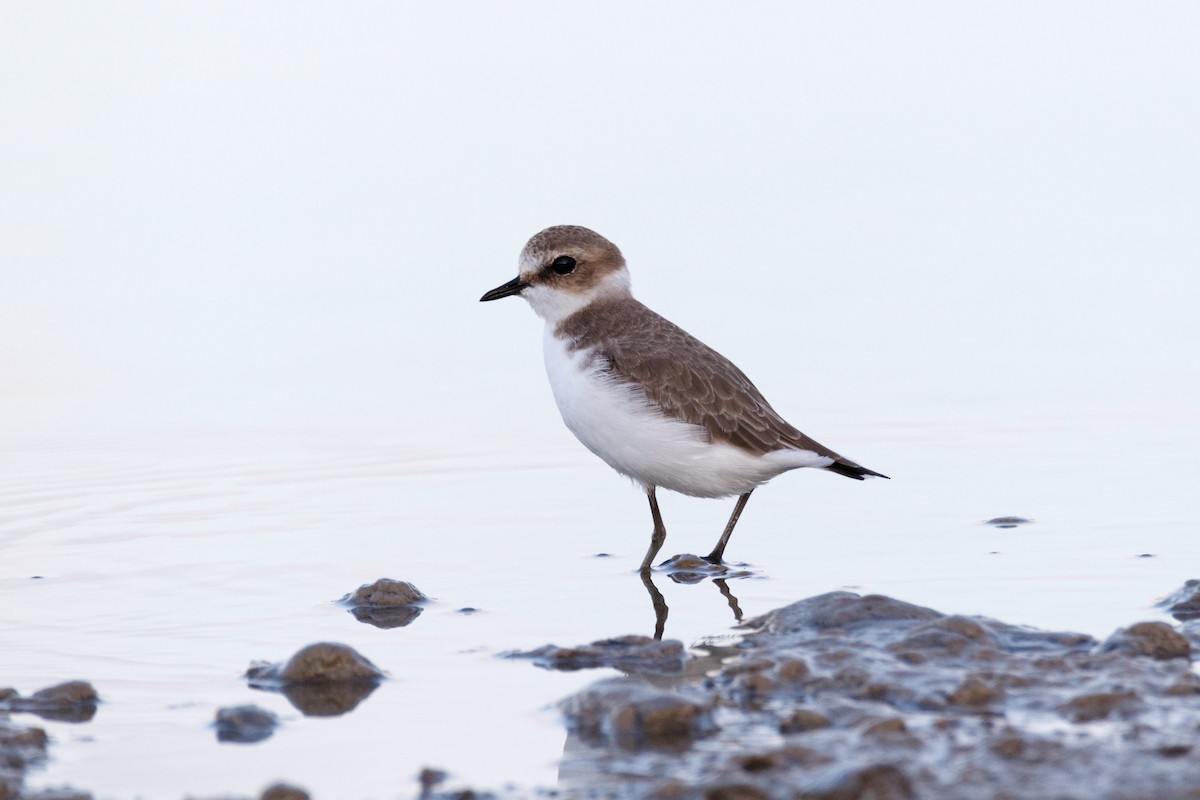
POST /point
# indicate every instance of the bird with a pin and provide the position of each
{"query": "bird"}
(652, 401)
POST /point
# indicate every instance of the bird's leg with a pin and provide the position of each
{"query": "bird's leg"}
(658, 536)
(715, 556)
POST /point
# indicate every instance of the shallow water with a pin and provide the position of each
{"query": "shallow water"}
(159, 567)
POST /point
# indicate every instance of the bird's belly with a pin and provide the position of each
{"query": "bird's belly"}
(616, 421)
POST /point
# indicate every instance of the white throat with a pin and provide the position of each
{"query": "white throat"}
(555, 305)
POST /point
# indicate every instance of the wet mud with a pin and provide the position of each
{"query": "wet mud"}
(844, 696)
(631, 654)
(836, 697)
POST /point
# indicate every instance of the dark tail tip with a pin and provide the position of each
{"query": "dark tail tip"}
(851, 470)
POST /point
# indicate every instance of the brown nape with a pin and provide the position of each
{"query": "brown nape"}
(687, 379)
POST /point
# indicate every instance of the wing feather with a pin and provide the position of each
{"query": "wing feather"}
(689, 380)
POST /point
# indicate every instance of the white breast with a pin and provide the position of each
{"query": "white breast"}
(616, 421)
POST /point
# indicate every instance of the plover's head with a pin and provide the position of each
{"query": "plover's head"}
(563, 269)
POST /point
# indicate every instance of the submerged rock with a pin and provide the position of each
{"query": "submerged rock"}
(323, 662)
(633, 716)
(1153, 639)
(1007, 522)
(322, 680)
(283, 791)
(245, 724)
(386, 603)
(22, 748)
(689, 568)
(73, 701)
(636, 654)
(1184, 603)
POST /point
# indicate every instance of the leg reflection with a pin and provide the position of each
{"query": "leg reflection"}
(660, 604)
(723, 586)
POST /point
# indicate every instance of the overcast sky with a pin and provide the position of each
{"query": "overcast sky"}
(285, 213)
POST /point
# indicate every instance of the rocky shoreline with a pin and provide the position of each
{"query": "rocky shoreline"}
(836, 697)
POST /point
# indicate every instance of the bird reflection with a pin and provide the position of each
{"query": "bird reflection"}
(686, 576)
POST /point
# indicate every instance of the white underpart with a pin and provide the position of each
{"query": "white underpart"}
(555, 305)
(615, 420)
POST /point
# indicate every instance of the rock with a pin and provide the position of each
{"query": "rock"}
(634, 716)
(323, 662)
(947, 637)
(245, 724)
(1184, 603)
(283, 791)
(430, 778)
(1154, 639)
(20, 749)
(974, 693)
(736, 791)
(1092, 707)
(386, 603)
(802, 720)
(73, 701)
(1007, 522)
(635, 654)
(320, 680)
(879, 698)
(385, 593)
(57, 793)
(886, 727)
(839, 610)
(876, 782)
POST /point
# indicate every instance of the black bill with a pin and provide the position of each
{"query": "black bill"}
(515, 286)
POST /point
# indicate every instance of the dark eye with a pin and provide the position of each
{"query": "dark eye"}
(563, 265)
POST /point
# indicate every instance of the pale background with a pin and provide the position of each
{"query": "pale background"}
(235, 213)
(243, 368)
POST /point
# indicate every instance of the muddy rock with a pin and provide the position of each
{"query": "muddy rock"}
(320, 680)
(73, 701)
(1101, 705)
(802, 720)
(1007, 522)
(386, 603)
(58, 793)
(1153, 639)
(283, 791)
(385, 593)
(20, 749)
(838, 611)
(633, 654)
(876, 782)
(323, 662)
(1184, 603)
(688, 568)
(244, 724)
(975, 693)
(877, 698)
(633, 716)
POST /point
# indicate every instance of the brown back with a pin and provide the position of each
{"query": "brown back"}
(685, 377)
